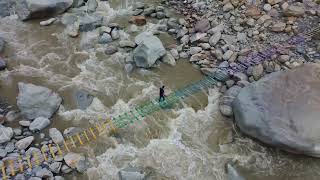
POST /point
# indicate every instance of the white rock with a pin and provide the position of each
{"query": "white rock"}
(47, 22)
(39, 124)
(76, 161)
(267, 7)
(6, 134)
(24, 143)
(169, 59)
(56, 135)
(25, 123)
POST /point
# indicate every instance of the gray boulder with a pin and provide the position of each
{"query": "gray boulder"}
(24, 143)
(56, 135)
(148, 51)
(5, 7)
(37, 101)
(30, 9)
(6, 134)
(39, 123)
(282, 110)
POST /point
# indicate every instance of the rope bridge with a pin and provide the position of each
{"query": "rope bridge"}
(11, 166)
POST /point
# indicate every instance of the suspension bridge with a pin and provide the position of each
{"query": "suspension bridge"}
(19, 164)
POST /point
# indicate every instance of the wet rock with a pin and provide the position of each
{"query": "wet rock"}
(202, 26)
(169, 59)
(47, 22)
(2, 45)
(37, 101)
(6, 133)
(24, 143)
(55, 167)
(89, 39)
(225, 102)
(233, 173)
(277, 110)
(110, 50)
(139, 20)
(128, 68)
(294, 10)
(56, 135)
(76, 161)
(89, 22)
(149, 50)
(131, 173)
(30, 9)
(115, 34)
(44, 173)
(25, 123)
(83, 99)
(65, 169)
(12, 116)
(105, 39)
(3, 64)
(228, 7)
(39, 123)
(92, 6)
(71, 131)
(127, 43)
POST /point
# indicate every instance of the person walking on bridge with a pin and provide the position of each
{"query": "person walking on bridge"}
(161, 94)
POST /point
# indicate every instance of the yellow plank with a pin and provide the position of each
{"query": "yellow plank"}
(72, 141)
(36, 157)
(93, 135)
(52, 152)
(20, 163)
(4, 176)
(44, 154)
(109, 121)
(79, 138)
(59, 149)
(13, 173)
(86, 135)
(66, 146)
(98, 128)
(29, 162)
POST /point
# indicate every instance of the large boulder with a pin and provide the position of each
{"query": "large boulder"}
(36, 101)
(282, 110)
(149, 50)
(29, 9)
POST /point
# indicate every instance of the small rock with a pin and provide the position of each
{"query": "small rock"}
(92, 6)
(257, 72)
(110, 50)
(6, 133)
(39, 124)
(56, 135)
(184, 55)
(294, 10)
(12, 116)
(3, 153)
(227, 55)
(202, 26)
(131, 174)
(65, 169)
(105, 38)
(175, 53)
(25, 123)
(73, 30)
(47, 22)
(197, 36)
(24, 143)
(71, 131)
(104, 29)
(215, 38)
(263, 18)
(185, 39)
(115, 34)
(44, 173)
(139, 20)
(267, 7)
(194, 50)
(284, 58)
(253, 10)
(273, 2)
(169, 59)
(278, 27)
(55, 167)
(17, 131)
(228, 7)
(76, 161)
(9, 147)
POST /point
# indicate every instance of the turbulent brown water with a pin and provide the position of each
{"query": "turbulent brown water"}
(192, 141)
